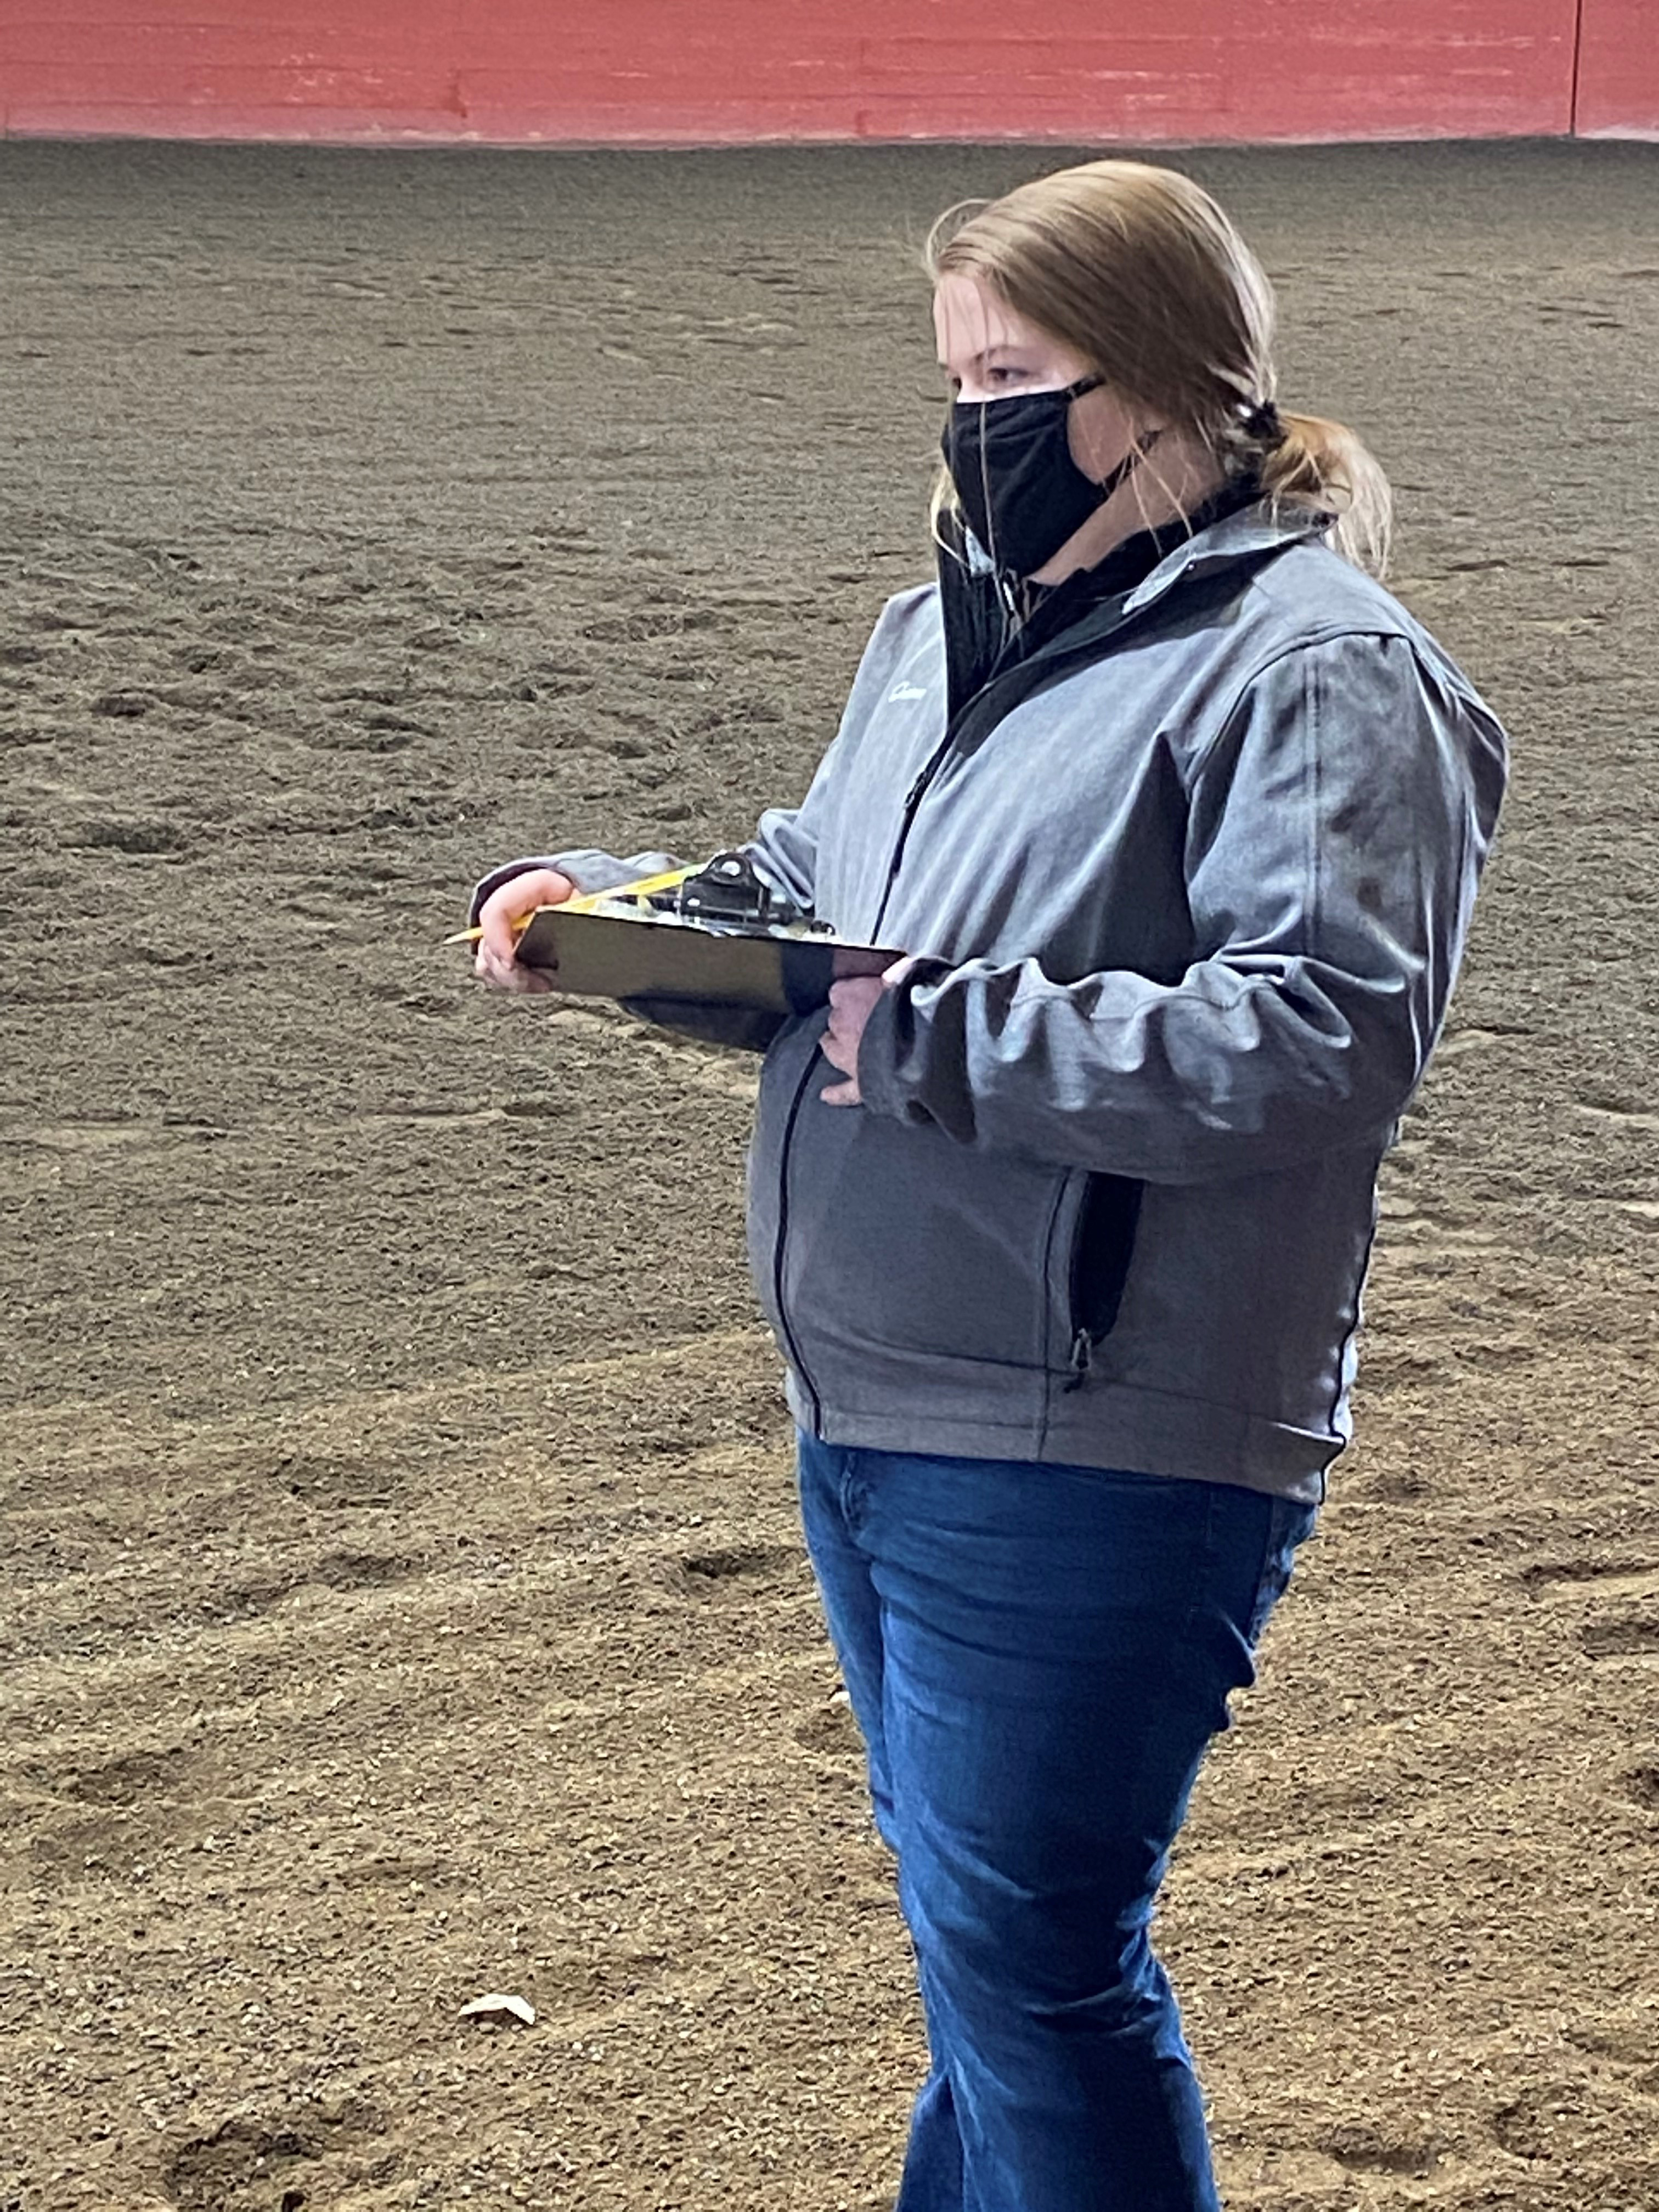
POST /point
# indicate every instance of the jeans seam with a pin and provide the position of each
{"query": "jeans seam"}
(854, 1490)
(1204, 1580)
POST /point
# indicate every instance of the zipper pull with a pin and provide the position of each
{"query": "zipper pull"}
(1083, 1355)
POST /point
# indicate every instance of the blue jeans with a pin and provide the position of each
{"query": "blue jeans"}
(1038, 1657)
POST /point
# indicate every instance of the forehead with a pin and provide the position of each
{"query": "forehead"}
(970, 319)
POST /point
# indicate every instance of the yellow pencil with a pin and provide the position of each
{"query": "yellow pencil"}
(584, 902)
(471, 936)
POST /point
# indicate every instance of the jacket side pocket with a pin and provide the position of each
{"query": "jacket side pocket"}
(1102, 1245)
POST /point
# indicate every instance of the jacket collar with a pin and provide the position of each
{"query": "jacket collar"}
(1242, 540)
(1250, 532)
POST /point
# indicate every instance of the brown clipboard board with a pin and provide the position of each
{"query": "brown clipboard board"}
(662, 957)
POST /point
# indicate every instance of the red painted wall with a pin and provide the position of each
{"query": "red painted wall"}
(668, 71)
(1619, 69)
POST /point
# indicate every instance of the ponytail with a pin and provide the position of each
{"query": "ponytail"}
(1321, 466)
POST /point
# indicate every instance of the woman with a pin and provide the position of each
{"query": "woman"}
(1182, 816)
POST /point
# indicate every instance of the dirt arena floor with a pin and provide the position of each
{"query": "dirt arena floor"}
(402, 1598)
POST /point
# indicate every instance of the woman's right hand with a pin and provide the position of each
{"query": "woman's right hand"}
(496, 959)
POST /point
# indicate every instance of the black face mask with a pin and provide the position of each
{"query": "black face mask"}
(1011, 462)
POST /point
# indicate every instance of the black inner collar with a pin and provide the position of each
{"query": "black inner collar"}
(991, 625)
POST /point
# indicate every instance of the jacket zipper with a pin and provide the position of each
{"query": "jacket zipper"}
(913, 799)
(918, 791)
(790, 1344)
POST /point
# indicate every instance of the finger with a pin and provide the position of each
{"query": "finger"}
(507, 974)
(842, 1094)
(495, 923)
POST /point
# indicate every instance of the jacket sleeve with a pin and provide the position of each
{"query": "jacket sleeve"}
(588, 871)
(1337, 824)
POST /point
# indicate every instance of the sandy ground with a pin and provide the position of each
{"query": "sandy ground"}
(403, 1594)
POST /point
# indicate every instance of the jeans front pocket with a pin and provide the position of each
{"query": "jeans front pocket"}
(1288, 1525)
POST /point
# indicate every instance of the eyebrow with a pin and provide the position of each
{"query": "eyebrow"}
(977, 359)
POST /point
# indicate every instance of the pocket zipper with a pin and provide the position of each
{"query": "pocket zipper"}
(1082, 1359)
(1111, 1207)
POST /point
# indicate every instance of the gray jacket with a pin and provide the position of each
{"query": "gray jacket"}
(1191, 889)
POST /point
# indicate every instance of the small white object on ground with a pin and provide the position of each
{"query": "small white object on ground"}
(496, 2004)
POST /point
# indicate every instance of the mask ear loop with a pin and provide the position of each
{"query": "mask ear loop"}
(1115, 478)
(985, 491)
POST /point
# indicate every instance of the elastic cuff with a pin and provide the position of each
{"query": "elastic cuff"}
(492, 883)
(887, 1039)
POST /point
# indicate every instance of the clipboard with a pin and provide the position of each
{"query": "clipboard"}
(630, 955)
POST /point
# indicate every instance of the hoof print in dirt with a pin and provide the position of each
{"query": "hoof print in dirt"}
(741, 1563)
(1397, 1485)
(360, 1570)
(1364, 2150)
(1621, 1639)
(344, 1571)
(139, 1778)
(832, 1730)
(325, 1479)
(258, 2165)
(118, 837)
(1527, 2129)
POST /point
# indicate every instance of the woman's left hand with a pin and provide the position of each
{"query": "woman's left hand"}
(851, 1003)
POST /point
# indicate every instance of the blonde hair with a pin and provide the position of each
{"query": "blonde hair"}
(1138, 270)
